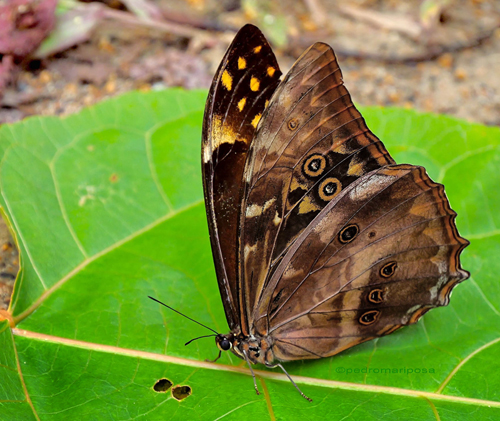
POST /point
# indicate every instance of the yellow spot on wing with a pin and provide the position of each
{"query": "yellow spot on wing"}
(256, 119)
(306, 205)
(356, 168)
(221, 133)
(270, 71)
(249, 250)
(256, 210)
(227, 80)
(295, 184)
(242, 63)
(277, 219)
(254, 84)
(257, 49)
(241, 104)
(267, 103)
(342, 148)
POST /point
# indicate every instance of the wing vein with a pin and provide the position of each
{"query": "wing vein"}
(350, 281)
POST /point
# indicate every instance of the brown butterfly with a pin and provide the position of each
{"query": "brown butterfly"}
(320, 240)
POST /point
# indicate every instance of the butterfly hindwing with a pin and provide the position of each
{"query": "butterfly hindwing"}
(243, 84)
(379, 256)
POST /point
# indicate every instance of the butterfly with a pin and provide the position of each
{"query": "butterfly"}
(320, 240)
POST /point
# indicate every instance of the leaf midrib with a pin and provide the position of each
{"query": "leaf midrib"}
(263, 374)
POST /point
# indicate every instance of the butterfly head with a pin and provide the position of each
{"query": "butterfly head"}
(224, 342)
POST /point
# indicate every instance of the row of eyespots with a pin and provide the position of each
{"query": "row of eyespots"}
(376, 295)
(349, 233)
(314, 166)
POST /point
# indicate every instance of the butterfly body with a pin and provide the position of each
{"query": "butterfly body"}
(320, 240)
(257, 349)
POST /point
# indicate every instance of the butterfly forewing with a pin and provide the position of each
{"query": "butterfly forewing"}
(243, 84)
(312, 143)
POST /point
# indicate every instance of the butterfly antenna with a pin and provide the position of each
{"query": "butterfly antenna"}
(199, 337)
(178, 312)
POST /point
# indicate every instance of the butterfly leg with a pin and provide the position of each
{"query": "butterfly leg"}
(289, 378)
(251, 371)
(216, 358)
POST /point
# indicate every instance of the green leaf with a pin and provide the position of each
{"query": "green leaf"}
(107, 208)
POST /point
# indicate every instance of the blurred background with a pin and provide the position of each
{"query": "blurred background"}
(56, 57)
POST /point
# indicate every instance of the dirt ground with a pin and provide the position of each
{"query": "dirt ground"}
(392, 53)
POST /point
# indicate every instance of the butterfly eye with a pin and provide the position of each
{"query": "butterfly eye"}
(369, 317)
(314, 165)
(388, 269)
(348, 233)
(225, 345)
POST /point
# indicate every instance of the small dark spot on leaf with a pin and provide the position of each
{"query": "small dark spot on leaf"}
(181, 392)
(113, 178)
(162, 385)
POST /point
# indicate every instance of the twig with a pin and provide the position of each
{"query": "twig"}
(390, 21)
(163, 26)
(433, 51)
(318, 13)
